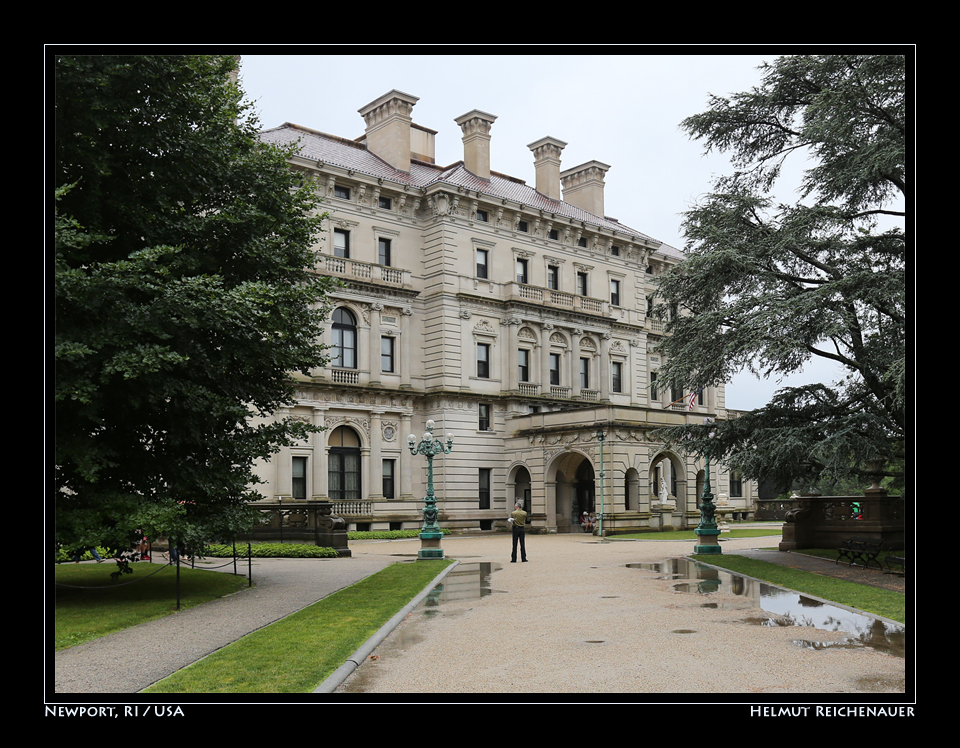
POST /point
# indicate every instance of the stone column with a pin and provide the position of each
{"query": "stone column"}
(603, 368)
(545, 332)
(284, 484)
(512, 378)
(375, 469)
(405, 463)
(375, 309)
(575, 363)
(319, 442)
(404, 342)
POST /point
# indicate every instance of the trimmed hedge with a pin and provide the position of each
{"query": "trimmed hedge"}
(271, 550)
(386, 534)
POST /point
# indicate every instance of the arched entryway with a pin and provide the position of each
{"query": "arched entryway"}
(520, 489)
(668, 481)
(571, 490)
(631, 490)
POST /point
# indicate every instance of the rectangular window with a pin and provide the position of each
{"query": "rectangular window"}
(555, 368)
(385, 202)
(389, 467)
(484, 421)
(386, 354)
(341, 243)
(654, 393)
(483, 487)
(343, 192)
(584, 373)
(384, 251)
(616, 380)
(615, 292)
(582, 284)
(522, 226)
(582, 242)
(553, 277)
(482, 257)
(553, 234)
(299, 470)
(736, 485)
(615, 250)
(483, 360)
(482, 215)
(521, 271)
(523, 357)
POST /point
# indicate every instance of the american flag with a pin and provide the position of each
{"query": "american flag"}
(693, 398)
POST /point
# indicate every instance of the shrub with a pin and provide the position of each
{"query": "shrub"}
(386, 534)
(64, 554)
(271, 550)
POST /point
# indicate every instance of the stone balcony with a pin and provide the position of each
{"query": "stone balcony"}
(557, 299)
(342, 267)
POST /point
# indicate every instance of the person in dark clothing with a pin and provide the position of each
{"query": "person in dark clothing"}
(519, 521)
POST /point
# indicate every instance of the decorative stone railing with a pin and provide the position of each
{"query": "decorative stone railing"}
(347, 268)
(308, 521)
(826, 521)
(353, 508)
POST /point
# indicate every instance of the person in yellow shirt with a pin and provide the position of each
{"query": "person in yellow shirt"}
(519, 521)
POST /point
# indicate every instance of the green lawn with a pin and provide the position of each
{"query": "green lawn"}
(89, 604)
(747, 532)
(886, 603)
(299, 652)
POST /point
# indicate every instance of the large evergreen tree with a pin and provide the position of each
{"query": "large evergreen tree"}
(767, 286)
(183, 297)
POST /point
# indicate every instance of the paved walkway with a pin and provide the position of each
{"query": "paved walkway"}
(130, 660)
(559, 604)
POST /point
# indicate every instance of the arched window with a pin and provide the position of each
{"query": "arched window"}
(344, 339)
(343, 465)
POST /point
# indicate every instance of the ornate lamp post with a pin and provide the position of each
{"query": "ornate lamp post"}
(707, 531)
(600, 438)
(430, 533)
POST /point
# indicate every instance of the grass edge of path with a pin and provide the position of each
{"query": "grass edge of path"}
(299, 652)
(885, 603)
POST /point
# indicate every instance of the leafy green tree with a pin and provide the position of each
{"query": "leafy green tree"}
(766, 287)
(183, 298)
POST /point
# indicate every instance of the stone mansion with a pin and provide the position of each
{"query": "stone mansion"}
(513, 316)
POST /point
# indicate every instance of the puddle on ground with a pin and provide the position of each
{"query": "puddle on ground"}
(783, 607)
(468, 581)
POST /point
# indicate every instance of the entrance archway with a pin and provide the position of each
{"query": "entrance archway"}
(667, 473)
(571, 490)
(520, 489)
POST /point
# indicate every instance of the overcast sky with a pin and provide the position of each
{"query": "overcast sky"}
(623, 110)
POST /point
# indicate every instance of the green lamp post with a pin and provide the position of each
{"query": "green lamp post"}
(600, 438)
(430, 533)
(707, 531)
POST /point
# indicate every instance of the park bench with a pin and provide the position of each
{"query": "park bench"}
(895, 561)
(859, 552)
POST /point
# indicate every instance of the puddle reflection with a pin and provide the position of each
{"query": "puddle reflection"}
(468, 581)
(785, 607)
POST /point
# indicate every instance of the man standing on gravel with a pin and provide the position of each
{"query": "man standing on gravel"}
(519, 521)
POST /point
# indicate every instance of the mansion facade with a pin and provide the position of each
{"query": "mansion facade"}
(515, 317)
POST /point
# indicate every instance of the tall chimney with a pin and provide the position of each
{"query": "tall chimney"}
(583, 186)
(388, 127)
(546, 160)
(476, 141)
